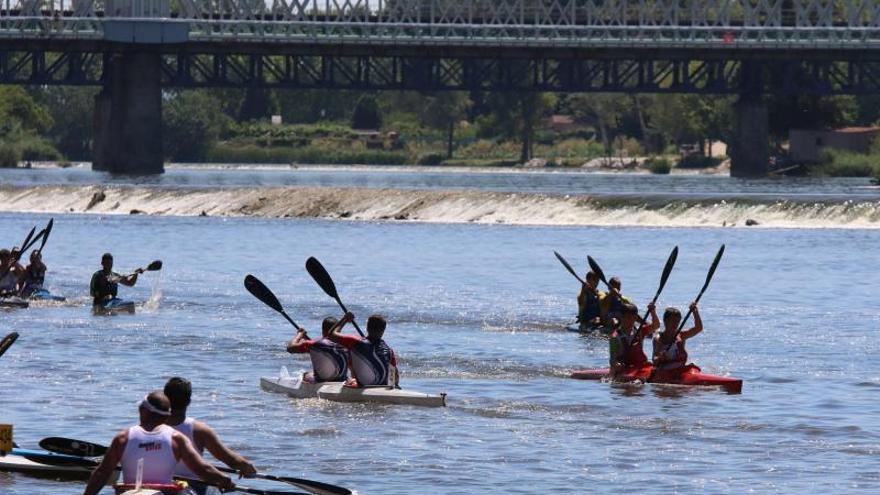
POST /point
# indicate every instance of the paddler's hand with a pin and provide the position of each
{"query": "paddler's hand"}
(247, 470)
(652, 307)
(226, 485)
(694, 309)
(348, 317)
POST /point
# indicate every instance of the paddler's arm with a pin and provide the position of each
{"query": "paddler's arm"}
(206, 436)
(655, 321)
(336, 332)
(295, 345)
(108, 464)
(184, 451)
(132, 279)
(613, 353)
(698, 324)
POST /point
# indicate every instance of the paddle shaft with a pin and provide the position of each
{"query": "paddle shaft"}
(303, 483)
(569, 268)
(700, 295)
(667, 269)
(7, 342)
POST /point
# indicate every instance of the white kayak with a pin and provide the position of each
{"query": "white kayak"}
(27, 461)
(385, 395)
(293, 385)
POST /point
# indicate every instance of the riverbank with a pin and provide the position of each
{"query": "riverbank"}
(442, 206)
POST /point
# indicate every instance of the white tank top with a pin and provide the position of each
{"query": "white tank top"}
(155, 448)
(186, 429)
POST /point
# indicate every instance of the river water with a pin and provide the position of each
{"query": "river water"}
(476, 311)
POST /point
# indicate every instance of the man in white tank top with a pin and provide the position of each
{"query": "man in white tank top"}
(160, 447)
(179, 393)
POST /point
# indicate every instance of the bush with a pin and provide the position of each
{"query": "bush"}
(227, 153)
(839, 163)
(431, 159)
(658, 165)
(366, 114)
(39, 149)
(10, 155)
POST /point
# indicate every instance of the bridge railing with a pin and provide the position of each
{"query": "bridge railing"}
(571, 23)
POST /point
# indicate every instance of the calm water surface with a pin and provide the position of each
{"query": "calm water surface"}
(475, 311)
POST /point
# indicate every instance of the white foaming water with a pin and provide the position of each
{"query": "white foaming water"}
(445, 206)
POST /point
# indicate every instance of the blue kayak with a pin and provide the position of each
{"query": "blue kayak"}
(42, 463)
(45, 295)
(114, 306)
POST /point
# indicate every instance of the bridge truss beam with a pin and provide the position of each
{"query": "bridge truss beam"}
(860, 75)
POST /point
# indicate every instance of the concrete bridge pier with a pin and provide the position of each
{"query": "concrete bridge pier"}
(750, 153)
(128, 116)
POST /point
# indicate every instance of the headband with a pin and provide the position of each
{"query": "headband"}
(153, 409)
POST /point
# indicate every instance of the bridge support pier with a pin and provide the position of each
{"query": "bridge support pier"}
(128, 116)
(750, 153)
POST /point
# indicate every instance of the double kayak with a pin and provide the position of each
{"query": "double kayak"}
(114, 306)
(44, 295)
(589, 329)
(298, 388)
(690, 376)
(13, 302)
(179, 488)
(46, 464)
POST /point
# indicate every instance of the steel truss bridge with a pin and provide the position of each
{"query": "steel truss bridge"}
(692, 46)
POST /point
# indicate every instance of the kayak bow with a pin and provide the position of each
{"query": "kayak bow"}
(690, 376)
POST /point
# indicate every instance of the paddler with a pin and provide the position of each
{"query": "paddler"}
(372, 361)
(669, 349)
(626, 339)
(589, 302)
(34, 275)
(104, 285)
(160, 447)
(329, 359)
(10, 272)
(612, 304)
(201, 436)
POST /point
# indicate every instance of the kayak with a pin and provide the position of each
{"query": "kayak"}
(45, 295)
(13, 302)
(114, 306)
(690, 376)
(56, 466)
(339, 392)
(294, 386)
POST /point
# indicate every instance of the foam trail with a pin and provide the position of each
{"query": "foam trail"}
(152, 303)
(442, 206)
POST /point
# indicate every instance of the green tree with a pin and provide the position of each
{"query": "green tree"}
(17, 105)
(192, 122)
(603, 112)
(515, 115)
(366, 114)
(442, 111)
(72, 110)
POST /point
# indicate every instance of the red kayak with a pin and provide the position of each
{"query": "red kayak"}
(689, 375)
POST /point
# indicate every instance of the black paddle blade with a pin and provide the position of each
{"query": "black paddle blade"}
(72, 447)
(711, 271)
(317, 486)
(46, 232)
(567, 266)
(62, 461)
(7, 342)
(597, 269)
(260, 291)
(670, 263)
(156, 265)
(28, 238)
(319, 273)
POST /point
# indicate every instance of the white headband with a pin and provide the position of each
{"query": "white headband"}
(153, 409)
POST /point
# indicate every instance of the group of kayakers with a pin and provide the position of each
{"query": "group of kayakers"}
(615, 313)
(167, 444)
(369, 360)
(17, 280)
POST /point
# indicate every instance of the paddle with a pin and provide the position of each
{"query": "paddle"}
(597, 270)
(46, 232)
(569, 268)
(152, 267)
(7, 342)
(80, 448)
(705, 285)
(27, 239)
(670, 262)
(260, 291)
(317, 271)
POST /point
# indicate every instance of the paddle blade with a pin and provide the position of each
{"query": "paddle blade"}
(317, 271)
(567, 266)
(259, 290)
(60, 461)
(46, 232)
(72, 447)
(670, 262)
(7, 342)
(28, 238)
(152, 267)
(597, 269)
(711, 271)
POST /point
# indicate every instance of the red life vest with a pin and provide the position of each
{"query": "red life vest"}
(633, 353)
